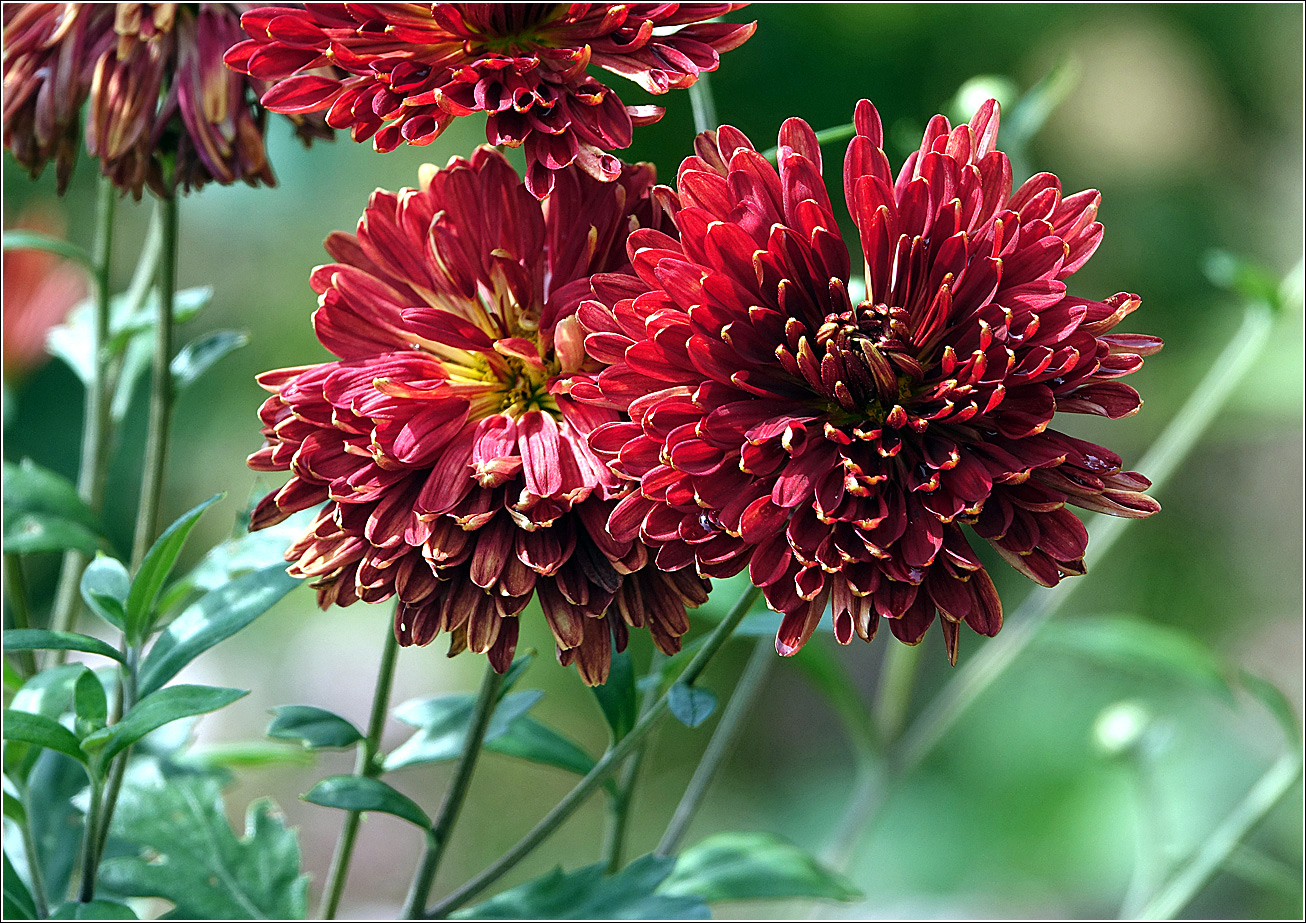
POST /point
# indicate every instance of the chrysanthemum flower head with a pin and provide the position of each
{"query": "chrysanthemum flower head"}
(164, 111)
(453, 464)
(402, 72)
(842, 449)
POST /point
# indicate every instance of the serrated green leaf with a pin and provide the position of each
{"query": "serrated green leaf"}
(33, 533)
(39, 639)
(90, 705)
(617, 698)
(588, 894)
(692, 705)
(1135, 644)
(18, 903)
(359, 793)
(199, 355)
(156, 567)
(753, 866)
(154, 711)
(532, 740)
(443, 722)
(105, 587)
(213, 618)
(43, 732)
(191, 857)
(94, 910)
(314, 727)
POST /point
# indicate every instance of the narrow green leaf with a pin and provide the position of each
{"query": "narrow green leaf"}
(753, 866)
(617, 697)
(692, 705)
(154, 711)
(42, 512)
(18, 903)
(49, 692)
(98, 909)
(33, 533)
(245, 754)
(13, 808)
(198, 356)
(43, 732)
(588, 894)
(357, 793)
(39, 639)
(532, 740)
(105, 587)
(90, 705)
(315, 728)
(50, 790)
(189, 855)
(156, 567)
(35, 240)
(442, 724)
(213, 618)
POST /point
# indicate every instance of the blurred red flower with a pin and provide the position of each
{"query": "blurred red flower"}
(837, 444)
(453, 464)
(40, 289)
(403, 72)
(164, 111)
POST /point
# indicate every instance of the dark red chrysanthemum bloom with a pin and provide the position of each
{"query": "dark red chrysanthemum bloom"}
(403, 72)
(164, 111)
(454, 466)
(837, 446)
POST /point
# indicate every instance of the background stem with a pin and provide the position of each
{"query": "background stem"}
(16, 591)
(367, 767)
(442, 830)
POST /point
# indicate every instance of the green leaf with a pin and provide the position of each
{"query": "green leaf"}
(314, 727)
(443, 723)
(42, 512)
(49, 692)
(236, 556)
(1276, 703)
(35, 240)
(95, 910)
(692, 705)
(617, 697)
(105, 587)
(51, 788)
(13, 808)
(1129, 643)
(18, 903)
(156, 710)
(90, 705)
(531, 740)
(245, 754)
(191, 857)
(156, 567)
(198, 356)
(753, 866)
(186, 305)
(587, 894)
(32, 533)
(1032, 110)
(213, 618)
(38, 639)
(43, 732)
(1242, 277)
(358, 793)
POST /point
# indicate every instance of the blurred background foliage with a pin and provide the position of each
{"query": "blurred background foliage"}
(1188, 118)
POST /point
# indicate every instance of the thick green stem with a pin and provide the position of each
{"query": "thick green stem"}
(96, 440)
(741, 701)
(367, 767)
(602, 769)
(993, 659)
(702, 104)
(19, 613)
(89, 859)
(34, 867)
(614, 834)
(1179, 892)
(161, 391)
(442, 830)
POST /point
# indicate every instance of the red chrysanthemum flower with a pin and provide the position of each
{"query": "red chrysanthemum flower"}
(837, 446)
(454, 465)
(403, 72)
(40, 288)
(164, 111)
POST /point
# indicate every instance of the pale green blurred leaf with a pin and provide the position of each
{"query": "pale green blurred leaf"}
(752, 866)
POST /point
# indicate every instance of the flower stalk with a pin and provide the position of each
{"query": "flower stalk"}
(438, 837)
(368, 767)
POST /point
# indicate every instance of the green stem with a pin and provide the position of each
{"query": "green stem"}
(124, 699)
(602, 769)
(34, 866)
(702, 104)
(993, 659)
(368, 767)
(161, 393)
(86, 893)
(1179, 892)
(741, 701)
(823, 137)
(440, 833)
(95, 423)
(893, 695)
(16, 590)
(618, 825)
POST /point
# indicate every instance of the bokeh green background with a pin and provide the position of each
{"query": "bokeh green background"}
(1188, 118)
